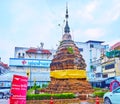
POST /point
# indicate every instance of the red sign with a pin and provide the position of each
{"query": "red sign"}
(24, 62)
(114, 84)
(19, 89)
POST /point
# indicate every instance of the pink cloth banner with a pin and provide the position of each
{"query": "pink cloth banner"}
(19, 89)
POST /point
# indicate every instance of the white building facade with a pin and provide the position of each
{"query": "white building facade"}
(92, 51)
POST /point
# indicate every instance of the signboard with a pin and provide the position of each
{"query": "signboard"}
(114, 84)
(19, 90)
(30, 62)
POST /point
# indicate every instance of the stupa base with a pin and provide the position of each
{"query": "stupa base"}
(81, 86)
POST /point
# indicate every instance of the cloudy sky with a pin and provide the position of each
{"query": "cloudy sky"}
(26, 23)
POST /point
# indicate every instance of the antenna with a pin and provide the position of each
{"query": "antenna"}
(41, 45)
(62, 26)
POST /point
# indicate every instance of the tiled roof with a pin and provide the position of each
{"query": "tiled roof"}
(4, 65)
(31, 51)
(46, 51)
(36, 50)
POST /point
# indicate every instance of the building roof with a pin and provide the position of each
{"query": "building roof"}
(4, 65)
(46, 51)
(116, 46)
(37, 50)
(31, 50)
(93, 41)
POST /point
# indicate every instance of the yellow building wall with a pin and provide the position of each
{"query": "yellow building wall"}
(118, 68)
(114, 71)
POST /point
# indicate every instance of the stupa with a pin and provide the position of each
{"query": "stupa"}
(67, 70)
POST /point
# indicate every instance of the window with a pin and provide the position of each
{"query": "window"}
(81, 49)
(117, 91)
(110, 66)
(103, 66)
(105, 76)
(23, 55)
(91, 46)
(98, 75)
(18, 55)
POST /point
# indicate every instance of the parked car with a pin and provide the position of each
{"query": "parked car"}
(5, 93)
(112, 97)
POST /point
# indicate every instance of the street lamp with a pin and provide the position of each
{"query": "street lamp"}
(29, 73)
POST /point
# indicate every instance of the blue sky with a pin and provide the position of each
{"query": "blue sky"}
(26, 23)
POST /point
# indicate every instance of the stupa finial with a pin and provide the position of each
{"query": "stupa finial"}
(66, 29)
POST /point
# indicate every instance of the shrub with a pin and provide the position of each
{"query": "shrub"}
(97, 88)
(99, 93)
(38, 96)
(44, 85)
(48, 96)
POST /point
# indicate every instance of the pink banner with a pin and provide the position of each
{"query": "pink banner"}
(19, 89)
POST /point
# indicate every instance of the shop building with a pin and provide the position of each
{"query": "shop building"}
(32, 62)
(111, 62)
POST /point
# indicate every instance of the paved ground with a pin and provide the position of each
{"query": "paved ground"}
(84, 102)
(4, 101)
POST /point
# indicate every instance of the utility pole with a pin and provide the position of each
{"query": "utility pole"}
(30, 76)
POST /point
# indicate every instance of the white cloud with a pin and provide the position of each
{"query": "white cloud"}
(112, 42)
(7, 50)
(87, 11)
(90, 33)
(94, 33)
(40, 31)
(32, 24)
(24, 14)
(91, 7)
(114, 13)
(98, 11)
(110, 13)
(76, 35)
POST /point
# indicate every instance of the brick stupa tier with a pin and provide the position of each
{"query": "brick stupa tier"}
(67, 57)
